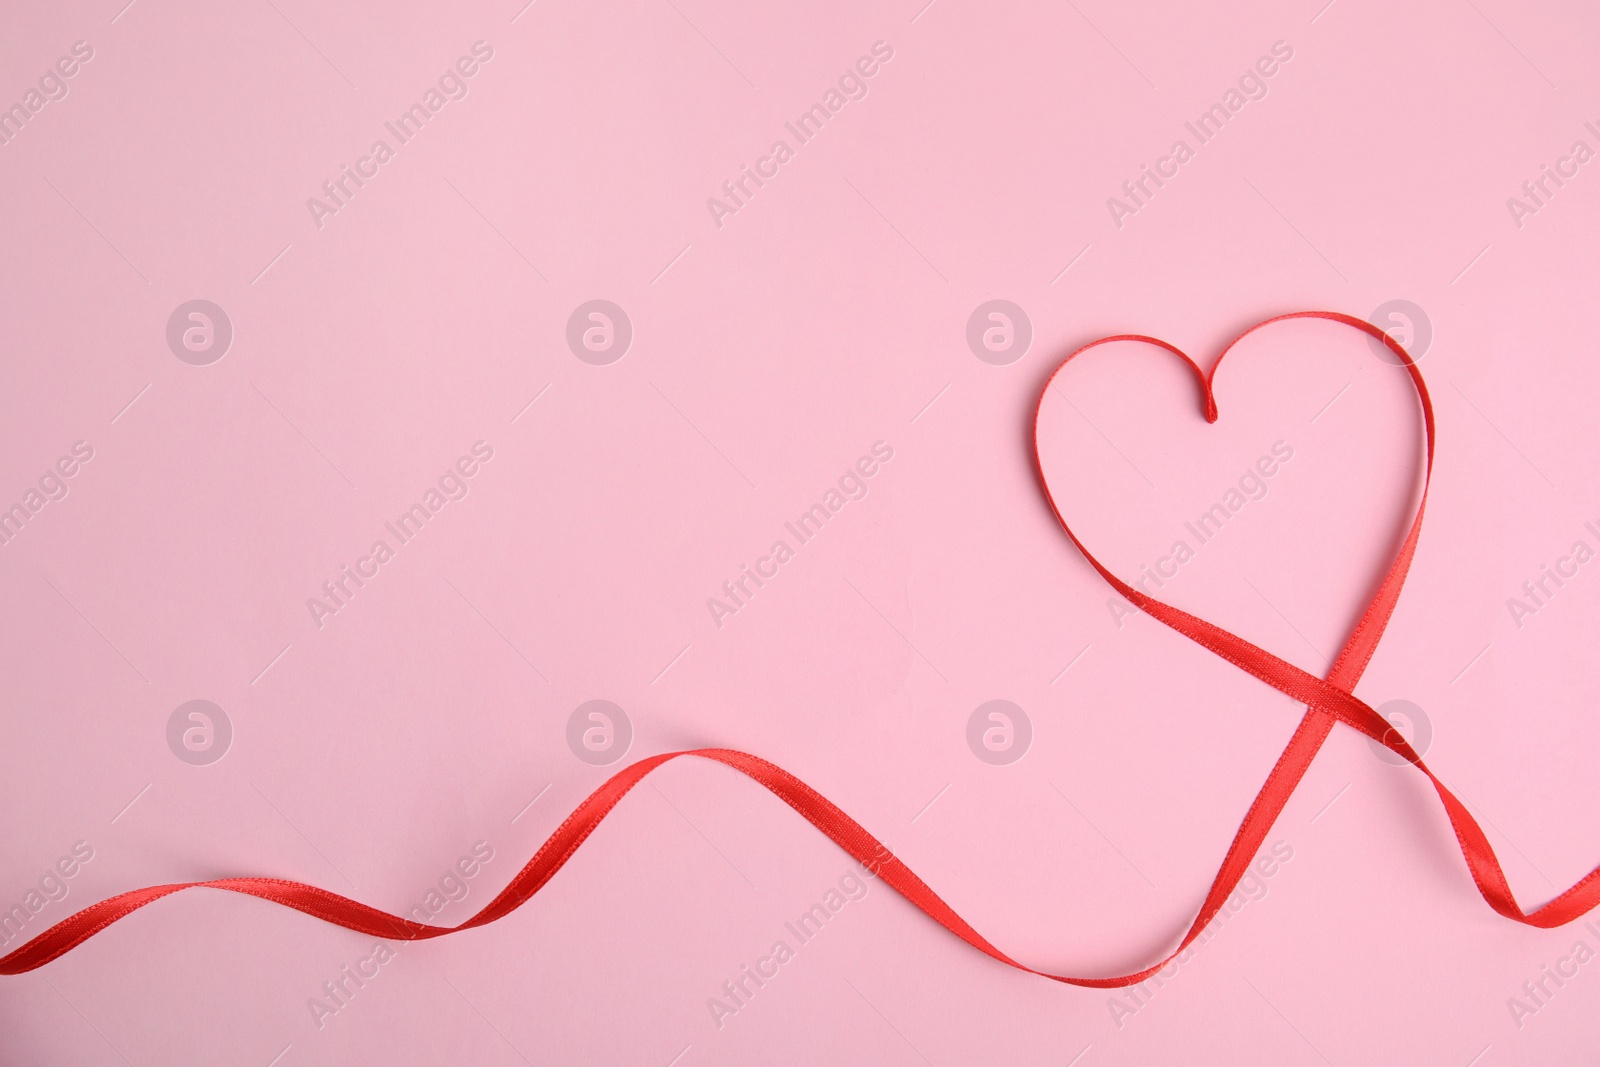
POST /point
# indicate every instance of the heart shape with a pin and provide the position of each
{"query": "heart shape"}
(1355, 656)
(1159, 478)
(1327, 699)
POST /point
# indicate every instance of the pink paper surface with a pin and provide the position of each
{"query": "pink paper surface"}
(597, 480)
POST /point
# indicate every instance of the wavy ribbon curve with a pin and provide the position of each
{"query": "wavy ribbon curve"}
(1328, 700)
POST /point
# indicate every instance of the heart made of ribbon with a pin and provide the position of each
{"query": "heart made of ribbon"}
(1330, 695)
(1328, 701)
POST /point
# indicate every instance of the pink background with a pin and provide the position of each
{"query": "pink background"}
(768, 353)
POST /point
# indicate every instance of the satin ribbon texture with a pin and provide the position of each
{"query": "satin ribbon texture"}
(1327, 701)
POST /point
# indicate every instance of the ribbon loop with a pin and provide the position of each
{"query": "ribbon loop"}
(1327, 700)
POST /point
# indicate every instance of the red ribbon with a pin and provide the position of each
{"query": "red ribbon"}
(1328, 700)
